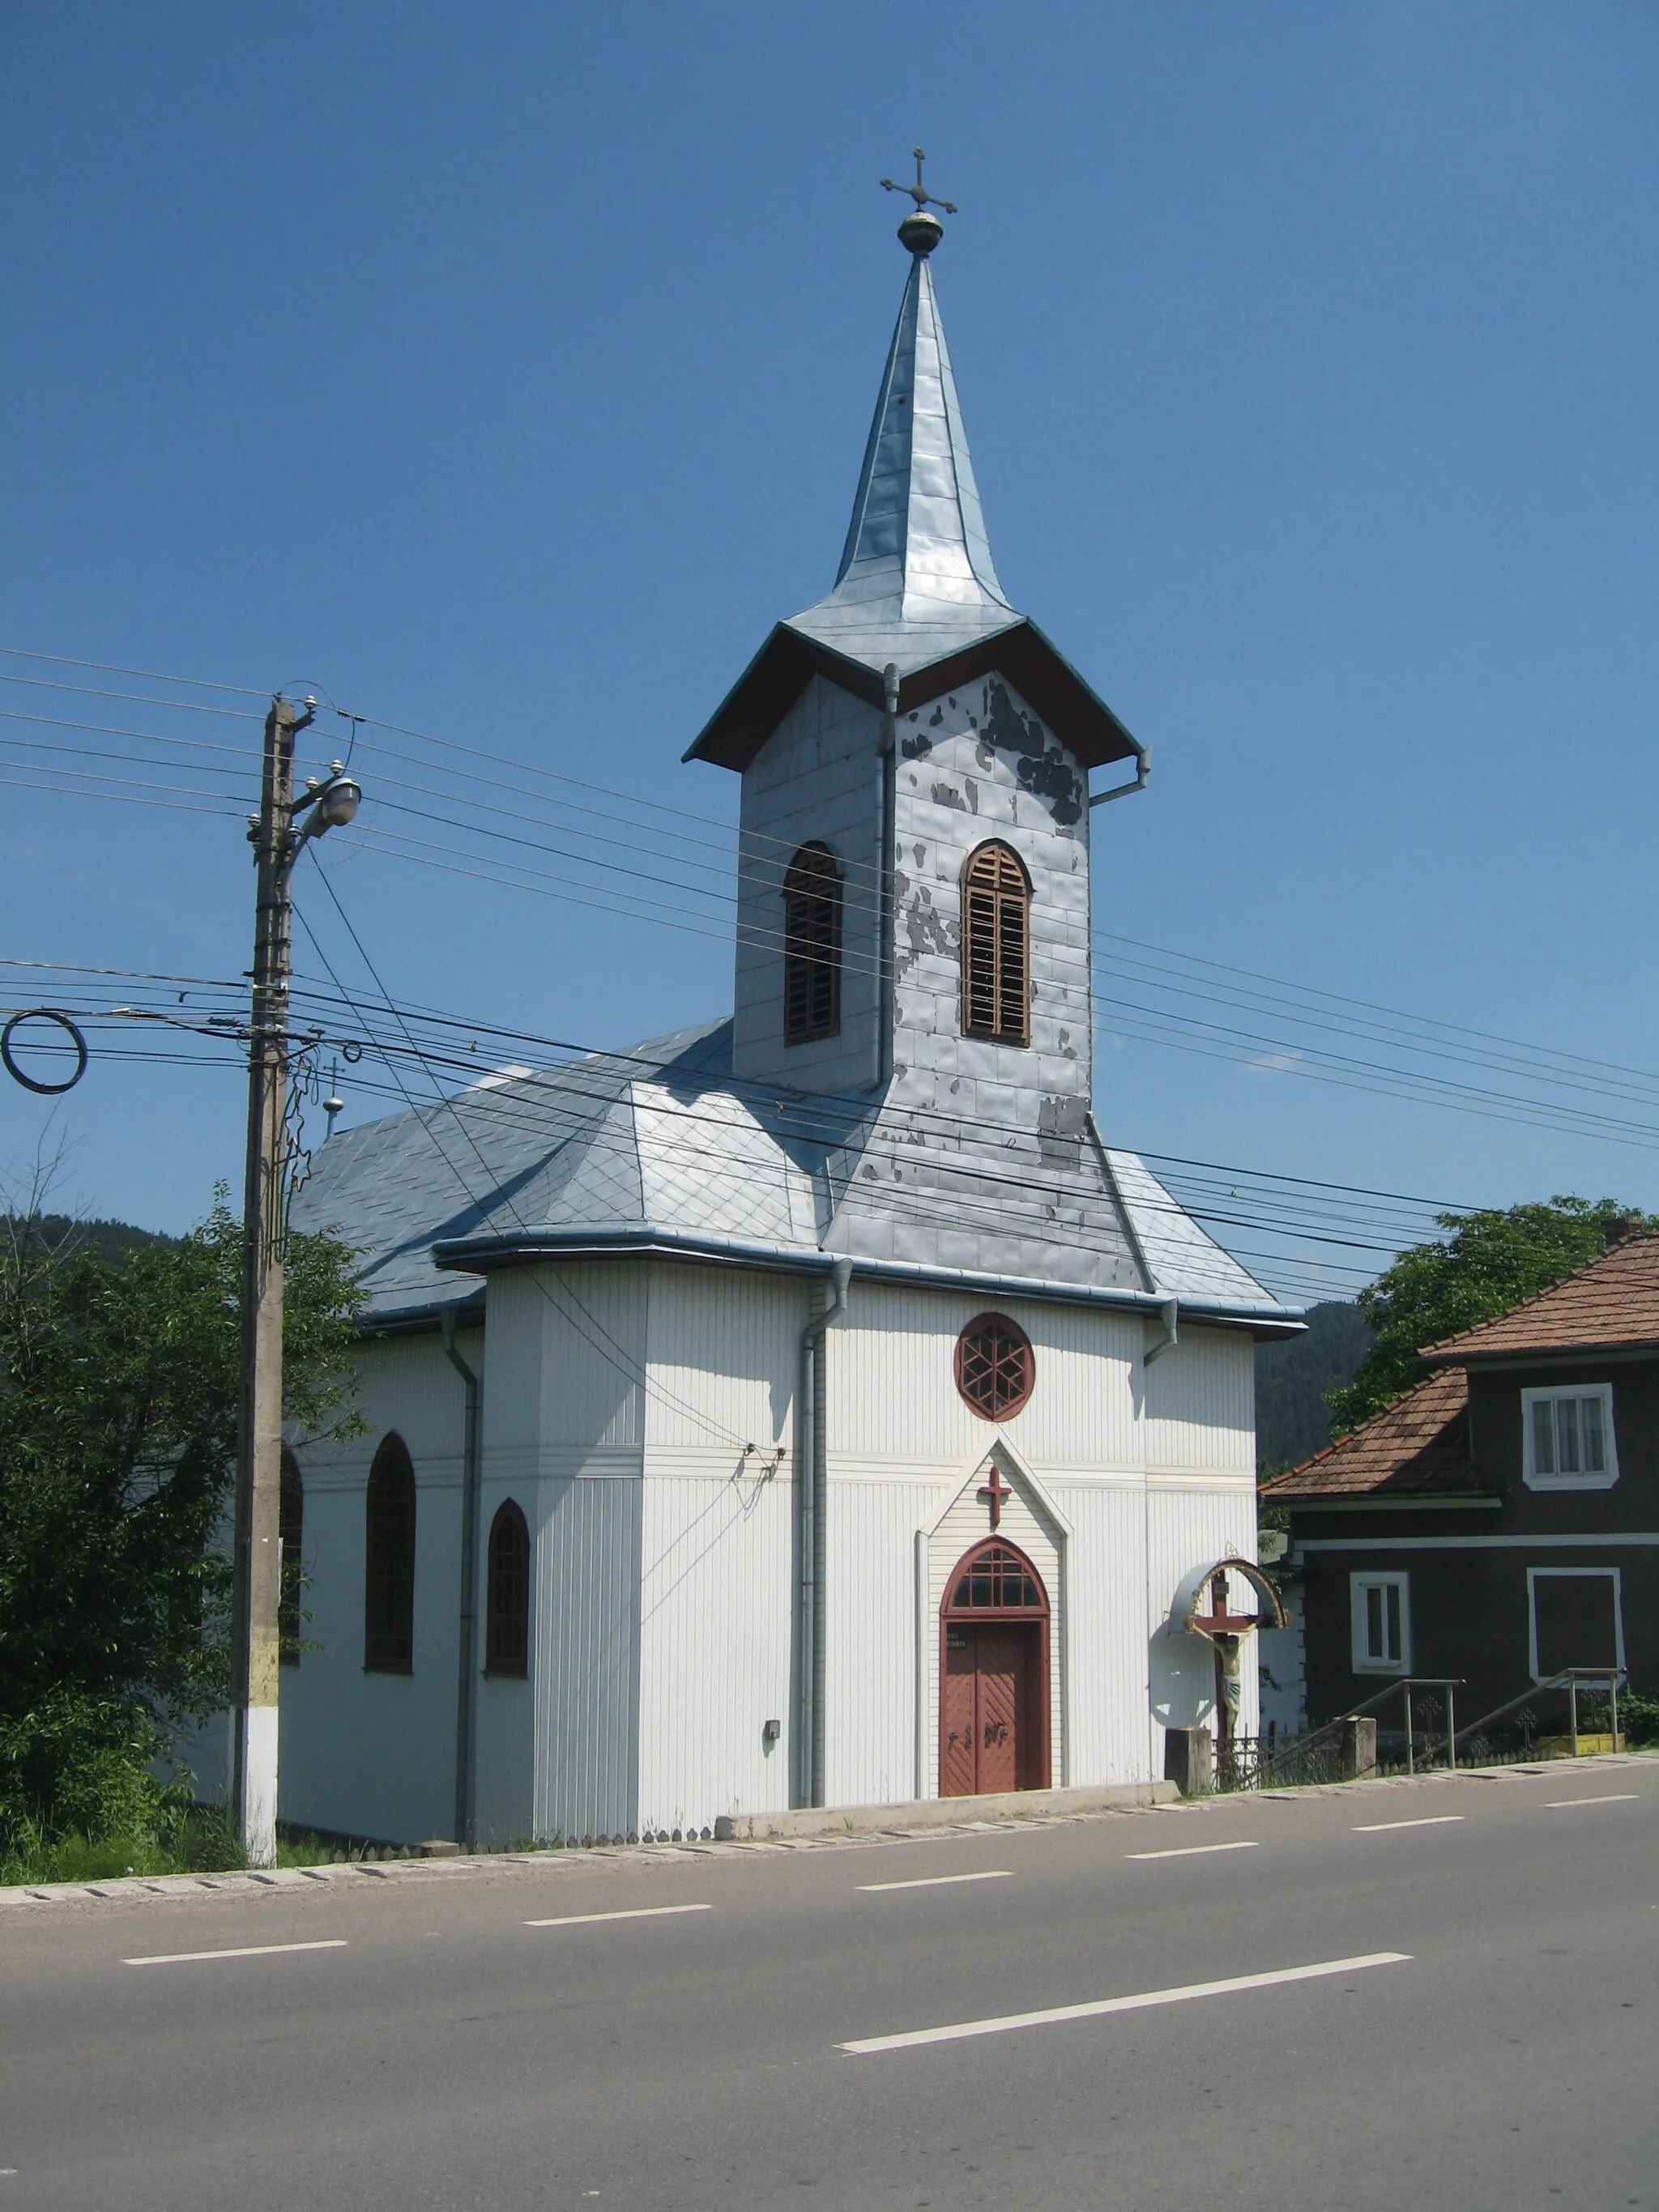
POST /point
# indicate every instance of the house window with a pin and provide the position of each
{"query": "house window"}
(996, 946)
(812, 946)
(995, 1366)
(506, 1604)
(291, 1530)
(1575, 1617)
(1568, 1442)
(1380, 1612)
(389, 1582)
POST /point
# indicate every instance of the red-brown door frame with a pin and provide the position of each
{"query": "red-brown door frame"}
(983, 1616)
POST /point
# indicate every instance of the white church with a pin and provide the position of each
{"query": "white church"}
(811, 1408)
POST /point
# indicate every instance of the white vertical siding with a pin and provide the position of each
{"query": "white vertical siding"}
(892, 1381)
(1109, 1728)
(869, 1707)
(585, 1667)
(724, 1350)
(1201, 1403)
(375, 1755)
(715, 1644)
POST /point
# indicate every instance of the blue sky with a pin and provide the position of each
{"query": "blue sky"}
(503, 373)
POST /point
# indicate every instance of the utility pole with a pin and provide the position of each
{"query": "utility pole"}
(255, 1653)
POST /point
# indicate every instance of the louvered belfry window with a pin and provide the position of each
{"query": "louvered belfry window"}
(996, 945)
(389, 1582)
(812, 946)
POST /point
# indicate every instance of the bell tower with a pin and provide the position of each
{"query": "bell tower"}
(913, 898)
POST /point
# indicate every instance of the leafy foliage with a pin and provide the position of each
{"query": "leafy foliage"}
(118, 1391)
(1489, 1261)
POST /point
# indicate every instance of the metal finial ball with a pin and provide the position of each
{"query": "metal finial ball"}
(920, 232)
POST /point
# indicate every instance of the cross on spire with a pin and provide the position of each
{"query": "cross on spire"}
(995, 1491)
(920, 232)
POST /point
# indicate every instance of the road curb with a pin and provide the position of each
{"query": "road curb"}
(925, 1813)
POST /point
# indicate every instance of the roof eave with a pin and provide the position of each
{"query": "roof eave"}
(476, 1255)
(1520, 1355)
(780, 673)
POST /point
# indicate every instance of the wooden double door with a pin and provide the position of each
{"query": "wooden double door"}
(994, 1730)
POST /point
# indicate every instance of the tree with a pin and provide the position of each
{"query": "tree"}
(1489, 1261)
(118, 1387)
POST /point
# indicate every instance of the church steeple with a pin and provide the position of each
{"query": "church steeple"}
(916, 578)
(917, 589)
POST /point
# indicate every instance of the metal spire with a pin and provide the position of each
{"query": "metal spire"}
(916, 578)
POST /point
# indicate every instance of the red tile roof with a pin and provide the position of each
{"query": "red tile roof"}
(1418, 1447)
(1613, 1299)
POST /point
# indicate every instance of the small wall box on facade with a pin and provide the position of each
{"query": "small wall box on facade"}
(770, 1733)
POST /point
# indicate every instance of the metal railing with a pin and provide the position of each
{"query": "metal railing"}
(1571, 1679)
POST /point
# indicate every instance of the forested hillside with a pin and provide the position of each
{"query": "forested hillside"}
(1293, 1420)
(106, 1240)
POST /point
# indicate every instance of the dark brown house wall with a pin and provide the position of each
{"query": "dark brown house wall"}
(1496, 1439)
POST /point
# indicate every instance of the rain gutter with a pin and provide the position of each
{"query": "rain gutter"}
(472, 1254)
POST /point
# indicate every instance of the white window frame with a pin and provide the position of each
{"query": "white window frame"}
(1529, 1474)
(1359, 1582)
(1536, 1575)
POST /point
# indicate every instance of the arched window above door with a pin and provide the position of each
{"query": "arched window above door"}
(996, 1578)
(506, 1598)
(996, 946)
(812, 946)
(389, 1578)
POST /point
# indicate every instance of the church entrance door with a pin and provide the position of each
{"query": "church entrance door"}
(994, 1675)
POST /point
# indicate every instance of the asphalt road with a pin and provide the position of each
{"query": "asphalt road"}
(1480, 2030)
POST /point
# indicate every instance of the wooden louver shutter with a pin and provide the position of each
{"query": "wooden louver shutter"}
(995, 951)
(812, 946)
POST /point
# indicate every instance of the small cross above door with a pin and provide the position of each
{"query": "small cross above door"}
(993, 1492)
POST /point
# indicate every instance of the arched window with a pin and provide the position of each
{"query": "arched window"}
(506, 1600)
(812, 946)
(996, 946)
(291, 1528)
(389, 1584)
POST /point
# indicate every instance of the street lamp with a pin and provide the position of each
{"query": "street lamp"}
(284, 825)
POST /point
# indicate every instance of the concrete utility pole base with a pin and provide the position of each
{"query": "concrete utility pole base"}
(256, 1809)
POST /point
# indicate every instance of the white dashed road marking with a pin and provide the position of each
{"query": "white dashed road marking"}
(1613, 1797)
(1194, 1851)
(941, 1881)
(245, 1951)
(1428, 1820)
(958, 2030)
(639, 1912)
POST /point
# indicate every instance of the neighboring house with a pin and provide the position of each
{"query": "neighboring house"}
(846, 1414)
(1500, 1523)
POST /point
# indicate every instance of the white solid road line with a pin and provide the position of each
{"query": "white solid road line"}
(960, 2030)
(638, 1912)
(940, 1880)
(1428, 1820)
(1612, 1797)
(1194, 1851)
(245, 1951)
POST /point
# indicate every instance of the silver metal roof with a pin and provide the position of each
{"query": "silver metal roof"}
(659, 1148)
(916, 580)
(917, 587)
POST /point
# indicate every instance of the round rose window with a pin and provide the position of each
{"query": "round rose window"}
(994, 1366)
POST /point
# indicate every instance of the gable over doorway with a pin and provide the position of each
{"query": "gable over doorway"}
(993, 1674)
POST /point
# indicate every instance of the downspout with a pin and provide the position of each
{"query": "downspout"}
(1143, 770)
(1168, 1313)
(466, 1686)
(811, 1467)
(887, 752)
